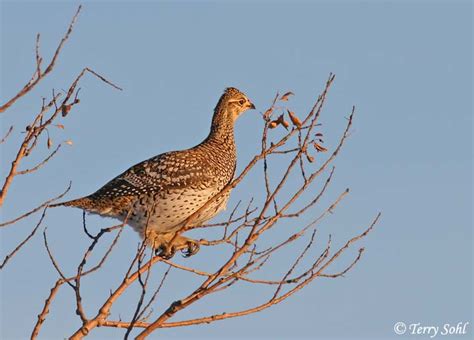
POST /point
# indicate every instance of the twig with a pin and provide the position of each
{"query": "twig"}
(22, 243)
(155, 294)
(246, 257)
(38, 75)
(42, 205)
(45, 311)
(39, 165)
(143, 285)
(53, 261)
(298, 259)
(104, 310)
(6, 135)
(269, 303)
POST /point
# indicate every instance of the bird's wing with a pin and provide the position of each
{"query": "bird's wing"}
(172, 170)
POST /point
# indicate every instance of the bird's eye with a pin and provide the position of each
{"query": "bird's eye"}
(242, 101)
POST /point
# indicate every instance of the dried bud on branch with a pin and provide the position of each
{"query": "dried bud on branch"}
(286, 96)
(65, 110)
(319, 147)
(294, 119)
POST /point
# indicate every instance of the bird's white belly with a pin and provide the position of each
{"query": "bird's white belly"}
(167, 212)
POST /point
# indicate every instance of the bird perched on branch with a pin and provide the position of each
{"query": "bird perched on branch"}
(156, 196)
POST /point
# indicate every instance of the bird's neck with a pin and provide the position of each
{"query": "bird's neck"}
(222, 127)
(220, 144)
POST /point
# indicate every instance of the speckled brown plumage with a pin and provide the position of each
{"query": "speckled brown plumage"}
(157, 195)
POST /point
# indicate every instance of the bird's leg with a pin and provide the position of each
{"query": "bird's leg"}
(167, 244)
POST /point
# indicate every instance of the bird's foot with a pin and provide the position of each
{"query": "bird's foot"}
(165, 252)
(166, 245)
(192, 248)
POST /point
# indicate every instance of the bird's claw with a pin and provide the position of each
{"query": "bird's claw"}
(188, 248)
(165, 252)
(192, 248)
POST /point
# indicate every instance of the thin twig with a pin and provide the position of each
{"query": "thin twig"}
(38, 75)
(53, 260)
(42, 205)
(40, 164)
(155, 294)
(45, 310)
(22, 243)
(6, 135)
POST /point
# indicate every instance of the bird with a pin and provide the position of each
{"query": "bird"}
(156, 196)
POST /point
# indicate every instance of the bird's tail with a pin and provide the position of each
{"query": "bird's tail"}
(81, 203)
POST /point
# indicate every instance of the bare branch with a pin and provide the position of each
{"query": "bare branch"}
(155, 294)
(39, 75)
(143, 285)
(247, 251)
(103, 79)
(42, 205)
(40, 164)
(39, 125)
(273, 301)
(104, 310)
(22, 243)
(6, 135)
(45, 311)
(53, 260)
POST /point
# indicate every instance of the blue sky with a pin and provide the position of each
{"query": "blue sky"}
(405, 65)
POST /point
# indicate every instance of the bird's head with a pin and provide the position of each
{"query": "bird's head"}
(234, 102)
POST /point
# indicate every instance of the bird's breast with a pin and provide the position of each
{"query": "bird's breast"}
(166, 211)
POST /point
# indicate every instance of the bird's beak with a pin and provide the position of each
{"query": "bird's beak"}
(251, 106)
